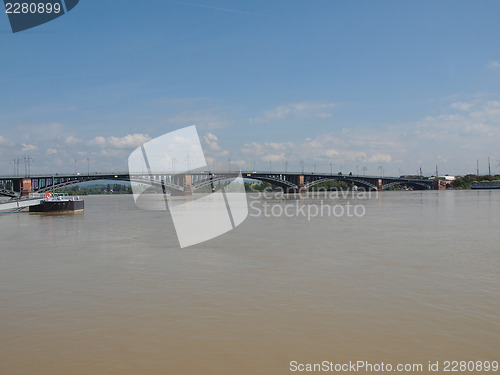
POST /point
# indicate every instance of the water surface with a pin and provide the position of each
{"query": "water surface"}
(110, 291)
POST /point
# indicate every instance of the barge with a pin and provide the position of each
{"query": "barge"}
(57, 203)
(486, 185)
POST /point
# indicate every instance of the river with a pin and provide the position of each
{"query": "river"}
(416, 278)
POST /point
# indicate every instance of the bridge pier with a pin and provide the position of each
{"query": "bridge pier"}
(301, 184)
(438, 184)
(379, 185)
(27, 187)
(188, 185)
(22, 186)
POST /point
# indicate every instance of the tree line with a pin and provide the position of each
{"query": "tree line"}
(96, 189)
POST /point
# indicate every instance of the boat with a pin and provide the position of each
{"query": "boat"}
(486, 185)
(57, 203)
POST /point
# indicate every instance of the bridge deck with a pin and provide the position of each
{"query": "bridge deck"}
(194, 180)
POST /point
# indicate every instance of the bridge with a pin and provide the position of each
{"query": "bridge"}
(187, 183)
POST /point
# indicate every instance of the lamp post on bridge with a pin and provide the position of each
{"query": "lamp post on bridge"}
(27, 162)
(16, 162)
(381, 169)
(331, 169)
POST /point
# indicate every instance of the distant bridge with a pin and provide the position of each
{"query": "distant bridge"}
(187, 183)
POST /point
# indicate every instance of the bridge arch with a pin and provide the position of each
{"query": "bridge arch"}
(285, 184)
(357, 181)
(210, 181)
(416, 184)
(81, 180)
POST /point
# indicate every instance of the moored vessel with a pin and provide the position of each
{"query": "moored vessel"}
(57, 203)
(486, 185)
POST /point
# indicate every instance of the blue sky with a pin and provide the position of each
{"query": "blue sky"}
(359, 84)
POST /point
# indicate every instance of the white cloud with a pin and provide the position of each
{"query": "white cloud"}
(5, 142)
(379, 158)
(98, 141)
(454, 139)
(212, 141)
(129, 141)
(279, 146)
(462, 106)
(42, 132)
(314, 143)
(466, 129)
(330, 153)
(239, 163)
(493, 64)
(259, 149)
(114, 153)
(304, 109)
(210, 160)
(477, 126)
(214, 152)
(252, 148)
(71, 141)
(28, 147)
(274, 157)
